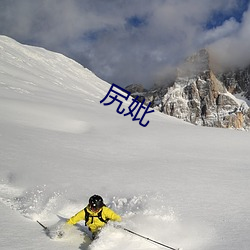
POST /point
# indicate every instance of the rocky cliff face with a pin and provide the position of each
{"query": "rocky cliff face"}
(237, 81)
(203, 98)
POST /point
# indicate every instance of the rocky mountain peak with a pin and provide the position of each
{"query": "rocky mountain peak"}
(202, 97)
(197, 64)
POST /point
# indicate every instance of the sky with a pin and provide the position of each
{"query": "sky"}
(132, 41)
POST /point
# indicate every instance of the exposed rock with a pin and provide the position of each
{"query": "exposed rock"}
(203, 98)
(135, 88)
(237, 81)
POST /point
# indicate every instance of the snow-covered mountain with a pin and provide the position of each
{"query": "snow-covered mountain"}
(182, 185)
(203, 96)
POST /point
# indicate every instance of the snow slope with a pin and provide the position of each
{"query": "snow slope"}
(176, 183)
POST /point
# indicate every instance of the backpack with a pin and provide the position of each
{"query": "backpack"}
(88, 216)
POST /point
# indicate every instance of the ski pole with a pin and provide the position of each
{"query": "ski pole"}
(146, 238)
(45, 228)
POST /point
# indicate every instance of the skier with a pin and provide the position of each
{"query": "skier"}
(95, 214)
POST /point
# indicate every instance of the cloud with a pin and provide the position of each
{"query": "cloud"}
(124, 41)
(232, 50)
(228, 28)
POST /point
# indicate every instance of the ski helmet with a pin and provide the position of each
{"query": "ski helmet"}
(95, 202)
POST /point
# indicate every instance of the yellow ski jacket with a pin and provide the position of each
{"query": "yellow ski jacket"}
(94, 223)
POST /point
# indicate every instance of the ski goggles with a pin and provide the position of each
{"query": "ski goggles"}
(94, 208)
